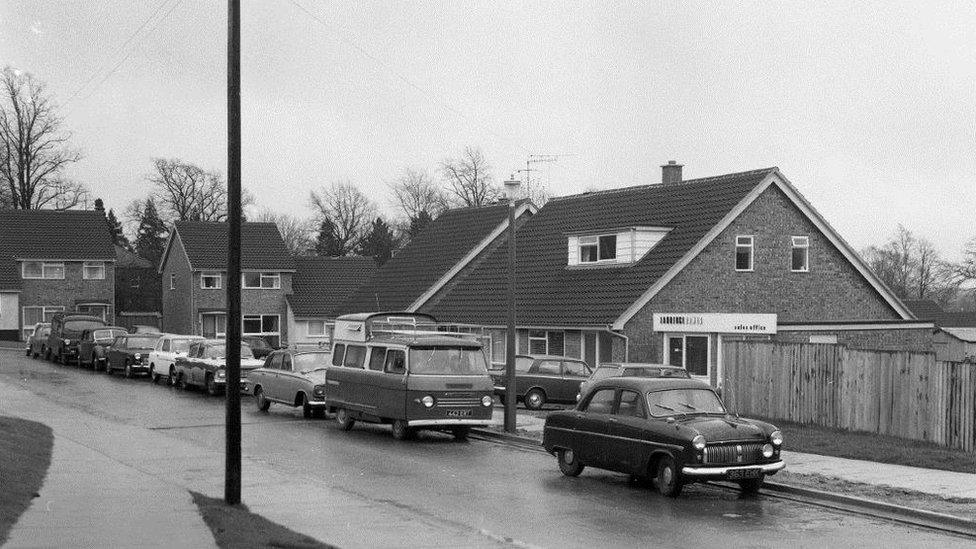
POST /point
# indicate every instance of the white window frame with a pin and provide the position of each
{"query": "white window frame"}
(751, 246)
(104, 307)
(275, 279)
(544, 338)
(594, 240)
(310, 333)
(261, 320)
(498, 337)
(800, 243)
(44, 268)
(45, 309)
(100, 274)
(217, 334)
(666, 354)
(211, 275)
(172, 281)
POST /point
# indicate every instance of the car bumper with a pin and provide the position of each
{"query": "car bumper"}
(448, 422)
(722, 472)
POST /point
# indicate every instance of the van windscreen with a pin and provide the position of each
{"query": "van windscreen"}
(443, 360)
(79, 325)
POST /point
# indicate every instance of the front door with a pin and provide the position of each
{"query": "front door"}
(214, 325)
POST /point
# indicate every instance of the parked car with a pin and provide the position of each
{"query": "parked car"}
(259, 346)
(94, 344)
(293, 378)
(37, 341)
(162, 359)
(541, 379)
(631, 369)
(130, 353)
(205, 365)
(673, 431)
(66, 329)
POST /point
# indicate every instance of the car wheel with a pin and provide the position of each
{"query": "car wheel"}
(534, 399)
(108, 367)
(667, 478)
(212, 388)
(28, 352)
(259, 398)
(568, 464)
(128, 370)
(171, 378)
(181, 382)
(402, 431)
(306, 408)
(750, 487)
(101, 364)
(47, 354)
(344, 419)
(461, 433)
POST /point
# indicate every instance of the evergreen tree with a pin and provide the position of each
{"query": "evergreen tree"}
(151, 235)
(418, 223)
(328, 244)
(115, 228)
(379, 242)
(99, 205)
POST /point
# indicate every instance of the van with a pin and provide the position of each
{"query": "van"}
(66, 330)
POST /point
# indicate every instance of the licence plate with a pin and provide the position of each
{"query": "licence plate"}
(458, 413)
(737, 474)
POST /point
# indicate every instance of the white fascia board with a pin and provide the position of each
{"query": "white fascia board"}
(828, 327)
(467, 259)
(694, 251)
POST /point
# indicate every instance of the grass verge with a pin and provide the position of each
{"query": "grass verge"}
(25, 455)
(235, 526)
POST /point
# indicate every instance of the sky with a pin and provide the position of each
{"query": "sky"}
(868, 108)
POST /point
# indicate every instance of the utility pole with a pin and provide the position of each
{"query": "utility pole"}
(511, 189)
(232, 468)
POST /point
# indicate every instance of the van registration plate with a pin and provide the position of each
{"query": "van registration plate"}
(458, 413)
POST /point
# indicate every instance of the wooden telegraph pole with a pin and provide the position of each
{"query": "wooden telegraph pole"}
(232, 470)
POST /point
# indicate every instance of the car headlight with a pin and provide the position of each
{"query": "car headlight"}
(138, 356)
(221, 374)
(487, 400)
(67, 342)
(767, 450)
(428, 401)
(776, 438)
(698, 442)
(318, 390)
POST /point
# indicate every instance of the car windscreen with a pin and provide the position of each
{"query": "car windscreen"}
(309, 361)
(107, 334)
(217, 351)
(141, 342)
(180, 345)
(79, 325)
(684, 401)
(655, 372)
(444, 360)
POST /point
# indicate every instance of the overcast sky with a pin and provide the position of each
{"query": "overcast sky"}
(869, 108)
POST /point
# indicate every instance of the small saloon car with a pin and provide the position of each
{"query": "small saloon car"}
(130, 353)
(540, 379)
(38, 339)
(631, 369)
(293, 378)
(671, 431)
(205, 365)
(162, 359)
(94, 344)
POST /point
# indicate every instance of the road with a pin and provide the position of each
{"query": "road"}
(478, 490)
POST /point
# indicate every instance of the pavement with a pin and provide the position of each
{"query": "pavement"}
(944, 484)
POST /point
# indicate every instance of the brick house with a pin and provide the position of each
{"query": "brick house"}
(665, 272)
(194, 276)
(319, 287)
(53, 261)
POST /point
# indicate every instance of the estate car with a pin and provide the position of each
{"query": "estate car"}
(293, 378)
(541, 379)
(671, 431)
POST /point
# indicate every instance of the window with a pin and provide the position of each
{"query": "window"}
(601, 402)
(377, 356)
(274, 362)
(498, 342)
(542, 342)
(629, 404)
(690, 352)
(743, 253)
(93, 270)
(93, 309)
(286, 362)
(172, 282)
(33, 314)
(261, 280)
(210, 281)
(522, 364)
(214, 324)
(41, 269)
(266, 326)
(355, 356)
(396, 362)
(578, 369)
(315, 328)
(800, 259)
(593, 249)
(548, 368)
(337, 354)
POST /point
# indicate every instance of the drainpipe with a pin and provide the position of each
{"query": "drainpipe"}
(626, 339)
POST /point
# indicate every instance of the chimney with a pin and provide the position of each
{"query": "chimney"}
(671, 173)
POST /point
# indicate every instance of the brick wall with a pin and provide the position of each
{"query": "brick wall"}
(177, 317)
(253, 301)
(72, 290)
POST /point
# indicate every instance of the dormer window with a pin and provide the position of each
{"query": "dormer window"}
(597, 248)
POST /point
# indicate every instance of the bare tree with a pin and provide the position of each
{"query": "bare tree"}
(469, 180)
(349, 211)
(415, 191)
(186, 192)
(912, 268)
(34, 149)
(298, 234)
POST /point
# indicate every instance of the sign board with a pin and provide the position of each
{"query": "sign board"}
(720, 323)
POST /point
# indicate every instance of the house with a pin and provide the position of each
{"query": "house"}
(954, 337)
(665, 272)
(138, 299)
(53, 261)
(320, 285)
(194, 276)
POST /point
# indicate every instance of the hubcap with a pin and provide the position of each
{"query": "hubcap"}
(568, 456)
(667, 475)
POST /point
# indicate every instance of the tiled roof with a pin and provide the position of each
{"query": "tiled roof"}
(427, 258)
(926, 309)
(322, 284)
(48, 234)
(124, 259)
(261, 246)
(549, 294)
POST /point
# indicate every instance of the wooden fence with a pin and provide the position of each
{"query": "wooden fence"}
(909, 395)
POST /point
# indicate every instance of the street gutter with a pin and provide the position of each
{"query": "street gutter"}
(850, 504)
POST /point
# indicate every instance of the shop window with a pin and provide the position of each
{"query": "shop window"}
(689, 352)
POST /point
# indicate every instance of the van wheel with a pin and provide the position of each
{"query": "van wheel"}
(402, 431)
(568, 464)
(668, 481)
(171, 378)
(212, 388)
(259, 399)
(534, 399)
(461, 433)
(345, 420)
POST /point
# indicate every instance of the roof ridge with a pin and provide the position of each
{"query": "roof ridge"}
(709, 179)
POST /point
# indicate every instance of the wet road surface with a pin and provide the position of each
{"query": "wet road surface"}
(514, 496)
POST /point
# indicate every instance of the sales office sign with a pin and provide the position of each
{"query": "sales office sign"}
(716, 323)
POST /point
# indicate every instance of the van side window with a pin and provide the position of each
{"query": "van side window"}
(377, 355)
(355, 356)
(337, 354)
(396, 362)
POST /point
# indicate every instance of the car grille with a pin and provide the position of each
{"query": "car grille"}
(722, 454)
(465, 400)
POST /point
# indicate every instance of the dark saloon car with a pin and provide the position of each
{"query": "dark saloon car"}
(205, 365)
(37, 341)
(671, 431)
(292, 378)
(631, 369)
(66, 330)
(541, 379)
(130, 353)
(93, 348)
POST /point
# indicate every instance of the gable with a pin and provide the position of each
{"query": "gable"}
(206, 244)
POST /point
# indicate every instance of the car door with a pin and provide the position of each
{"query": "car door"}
(593, 427)
(544, 374)
(628, 423)
(265, 375)
(573, 373)
(287, 381)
